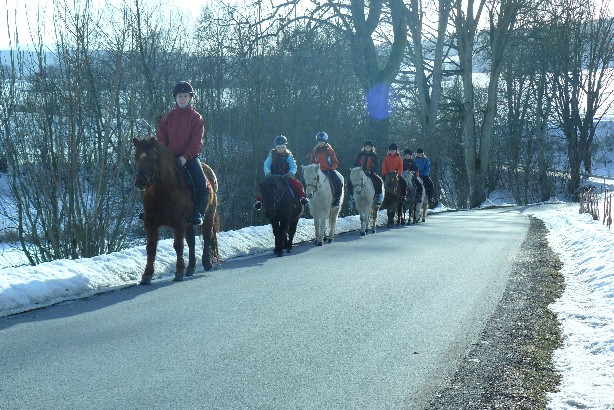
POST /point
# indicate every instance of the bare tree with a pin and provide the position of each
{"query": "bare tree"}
(502, 18)
(359, 22)
(585, 51)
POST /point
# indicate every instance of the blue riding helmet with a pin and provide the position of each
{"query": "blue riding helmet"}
(322, 136)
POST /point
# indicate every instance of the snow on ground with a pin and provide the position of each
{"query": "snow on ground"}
(586, 308)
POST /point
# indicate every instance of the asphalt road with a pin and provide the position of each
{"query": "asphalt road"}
(377, 322)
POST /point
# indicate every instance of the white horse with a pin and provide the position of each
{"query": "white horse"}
(320, 194)
(364, 191)
(422, 204)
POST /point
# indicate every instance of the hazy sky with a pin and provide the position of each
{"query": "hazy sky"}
(22, 14)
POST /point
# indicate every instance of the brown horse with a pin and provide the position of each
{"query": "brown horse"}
(167, 201)
(392, 198)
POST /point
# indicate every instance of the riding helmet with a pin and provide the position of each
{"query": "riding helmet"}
(322, 136)
(183, 87)
(393, 147)
(407, 151)
(280, 140)
(419, 151)
(368, 142)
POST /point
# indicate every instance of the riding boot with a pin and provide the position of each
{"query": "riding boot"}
(199, 207)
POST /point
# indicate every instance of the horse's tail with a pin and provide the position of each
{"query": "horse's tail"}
(211, 178)
(211, 225)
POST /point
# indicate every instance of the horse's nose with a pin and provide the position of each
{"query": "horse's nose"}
(140, 183)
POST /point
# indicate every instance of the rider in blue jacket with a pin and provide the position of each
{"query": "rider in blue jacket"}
(424, 168)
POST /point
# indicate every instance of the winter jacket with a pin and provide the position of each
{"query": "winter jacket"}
(279, 164)
(182, 131)
(410, 164)
(325, 156)
(424, 165)
(392, 162)
(367, 160)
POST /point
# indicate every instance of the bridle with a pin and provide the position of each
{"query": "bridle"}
(277, 199)
(150, 173)
(363, 183)
(317, 184)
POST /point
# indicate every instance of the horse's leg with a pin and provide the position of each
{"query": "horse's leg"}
(191, 240)
(373, 216)
(291, 231)
(151, 248)
(179, 234)
(363, 223)
(207, 230)
(279, 233)
(320, 225)
(332, 221)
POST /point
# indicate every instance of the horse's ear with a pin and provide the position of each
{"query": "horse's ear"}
(152, 140)
(135, 141)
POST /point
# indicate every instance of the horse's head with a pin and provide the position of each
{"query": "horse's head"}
(358, 179)
(391, 182)
(311, 174)
(146, 159)
(272, 188)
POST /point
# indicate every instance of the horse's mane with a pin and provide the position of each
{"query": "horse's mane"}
(166, 163)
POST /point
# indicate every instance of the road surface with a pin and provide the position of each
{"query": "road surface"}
(375, 322)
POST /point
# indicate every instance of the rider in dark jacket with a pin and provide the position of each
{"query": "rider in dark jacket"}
(411, 165)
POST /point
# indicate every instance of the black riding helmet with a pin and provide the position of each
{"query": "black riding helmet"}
(280, 140)
(183, 87)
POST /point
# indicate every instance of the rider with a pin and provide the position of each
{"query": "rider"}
(424, 165)
(410, 164)
(368, 161)
(393, 163)
(182, 131)
(324, 155)
(281, 162)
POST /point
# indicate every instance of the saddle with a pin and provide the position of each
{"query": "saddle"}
(184, 181)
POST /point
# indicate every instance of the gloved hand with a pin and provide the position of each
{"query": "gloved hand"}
(368, 173)
(287, 176)
(182, 160)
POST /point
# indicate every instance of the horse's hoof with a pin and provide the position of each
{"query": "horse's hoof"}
(189, 272)
(145, 281)
(289, 250)
(423, 220)
(318, 243)
(363, 233)
(178, 278)
(207, 265)
(373, 231)
(329, 241)
(279, 254)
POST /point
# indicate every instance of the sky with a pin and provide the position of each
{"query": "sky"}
(585, 310)
(23, 13)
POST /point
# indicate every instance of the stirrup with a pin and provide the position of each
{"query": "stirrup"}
(257, 205)
(304, 201)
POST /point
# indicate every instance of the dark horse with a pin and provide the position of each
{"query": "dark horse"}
(167, 201)
(392, 197)
(282, 209)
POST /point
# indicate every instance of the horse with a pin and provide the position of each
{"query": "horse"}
(422, 204)
(392, 197)
(364, 191)
(167, 201)
(282, 210)
(320, 194)
(409, 205)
